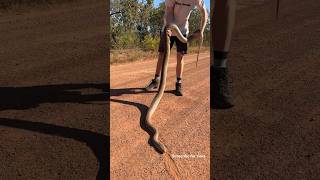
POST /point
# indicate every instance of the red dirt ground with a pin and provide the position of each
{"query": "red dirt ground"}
(52, 107)
(53, 110)
(183, 122)
(273, 132)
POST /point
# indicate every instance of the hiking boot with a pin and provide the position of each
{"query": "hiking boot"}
(178, 91)
(220, 89)
(152, 85)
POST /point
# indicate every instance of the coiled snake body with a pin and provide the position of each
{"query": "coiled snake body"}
(155, 102)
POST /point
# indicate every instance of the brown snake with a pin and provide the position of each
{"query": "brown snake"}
(155, 102)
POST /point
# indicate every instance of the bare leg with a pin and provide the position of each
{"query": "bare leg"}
(155, 82)
(180, 65)
(179, 71)
(224, 20)
(159, 63)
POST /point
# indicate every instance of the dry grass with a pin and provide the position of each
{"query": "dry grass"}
(130, 55)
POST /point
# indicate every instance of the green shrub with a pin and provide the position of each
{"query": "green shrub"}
(150, 43)
(127, 40)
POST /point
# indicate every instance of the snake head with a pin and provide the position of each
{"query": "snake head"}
(169, 32)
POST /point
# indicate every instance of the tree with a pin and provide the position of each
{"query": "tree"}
(135, 23)
(156, 19)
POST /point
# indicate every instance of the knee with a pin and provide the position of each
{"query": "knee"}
(180, 56)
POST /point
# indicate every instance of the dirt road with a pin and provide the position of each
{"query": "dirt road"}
(53, 109)
(183, 122)
(52, 106)
(273, 132)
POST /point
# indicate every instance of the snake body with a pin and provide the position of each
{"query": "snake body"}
(156, 100)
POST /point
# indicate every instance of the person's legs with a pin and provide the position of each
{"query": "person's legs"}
(179, 72)
(182, 49)
(224, 18)
(180, 65)
(159, 64)
(155, 82)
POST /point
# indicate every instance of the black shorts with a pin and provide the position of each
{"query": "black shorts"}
(181, 47)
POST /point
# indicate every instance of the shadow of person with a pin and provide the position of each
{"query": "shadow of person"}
(120, 92)
(98, 143)
(20, 98)
(143, 124)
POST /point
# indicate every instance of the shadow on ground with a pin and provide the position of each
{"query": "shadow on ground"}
(98, 143)
(143, 124)
(120, 92)
(21, 98)
(142, 108)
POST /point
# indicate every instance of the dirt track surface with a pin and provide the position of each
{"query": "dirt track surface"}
(273, 132)
(183, 122)
(52, 106)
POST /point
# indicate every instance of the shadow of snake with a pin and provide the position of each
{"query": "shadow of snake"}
(170, 165)
(143, 110)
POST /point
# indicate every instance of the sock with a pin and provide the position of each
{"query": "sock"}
(220, 59)
(157, 77)
(179, 80)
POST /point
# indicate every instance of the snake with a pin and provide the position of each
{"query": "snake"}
(156, 100)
